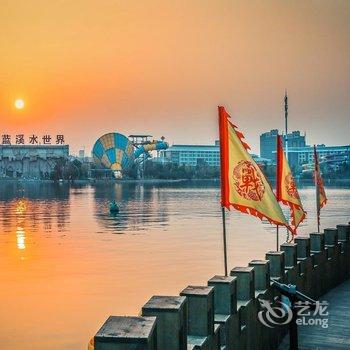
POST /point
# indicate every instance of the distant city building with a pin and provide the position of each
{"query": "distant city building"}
(268, 142)
(301, 155)
(30, 161)
(302, 158)
(192, 155)
(295, 139)
(81, 153)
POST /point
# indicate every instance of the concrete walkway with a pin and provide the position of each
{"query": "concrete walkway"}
(337, 335)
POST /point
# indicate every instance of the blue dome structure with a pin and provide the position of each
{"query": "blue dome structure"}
(114, 151)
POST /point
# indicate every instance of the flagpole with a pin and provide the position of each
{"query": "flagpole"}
(286, 120)
(286, 130)
(316, 195)
(224, 236)
(278, 185)
(317, 207)
(316, 189)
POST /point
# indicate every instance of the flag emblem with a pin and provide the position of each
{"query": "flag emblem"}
(247, 181)
(291, 187)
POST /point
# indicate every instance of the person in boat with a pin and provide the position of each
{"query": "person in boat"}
(113, 206)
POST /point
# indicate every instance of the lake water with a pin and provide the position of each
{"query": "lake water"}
(66, 264)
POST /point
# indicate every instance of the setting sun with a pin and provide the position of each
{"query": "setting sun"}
(19, 104)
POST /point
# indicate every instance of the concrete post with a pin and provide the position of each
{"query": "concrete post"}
(225, 294)
(330, 236)
(127, 333)
(333, 255)
(306, 266)
(303, 247)
(343, 232)
(200, 331)
(276, 264)
(317, 241)
(225, 310)
(319, 255)
(261, 274)
(246, 306)
(263, 291)
(290, 250)
(344, 239)
(171, 313)
(245, 282)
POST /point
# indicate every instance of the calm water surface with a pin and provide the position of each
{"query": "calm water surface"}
(66, 264)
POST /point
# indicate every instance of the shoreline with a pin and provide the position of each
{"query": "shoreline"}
(304, 182)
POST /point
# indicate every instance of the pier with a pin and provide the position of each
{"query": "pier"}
(336, 336)
(224, 313)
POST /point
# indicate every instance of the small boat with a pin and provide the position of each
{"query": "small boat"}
(113, 207)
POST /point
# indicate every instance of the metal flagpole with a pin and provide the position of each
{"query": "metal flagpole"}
(224, 237)
(278, 165)
(317, 204)
(286, 130)
(317, 189)
(223, 132)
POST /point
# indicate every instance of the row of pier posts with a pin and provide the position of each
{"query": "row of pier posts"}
(224, 313)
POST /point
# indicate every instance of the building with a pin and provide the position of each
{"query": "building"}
(268, 142)
(192, 155)
(295, 139)
(30, 161)
(302, 158)
(81, 153)
(301, 155)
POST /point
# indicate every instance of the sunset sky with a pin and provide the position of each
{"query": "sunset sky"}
(161, 67)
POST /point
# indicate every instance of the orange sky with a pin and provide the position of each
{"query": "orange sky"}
(161, 67)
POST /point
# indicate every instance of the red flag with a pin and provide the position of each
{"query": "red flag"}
(243, 185)
(321, 198)
(286, 189)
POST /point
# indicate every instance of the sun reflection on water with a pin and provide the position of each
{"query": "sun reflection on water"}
(21, 207)
(20, 211)
(21, 237)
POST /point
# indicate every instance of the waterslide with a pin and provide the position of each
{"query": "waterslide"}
(116, 152)
(152, 146)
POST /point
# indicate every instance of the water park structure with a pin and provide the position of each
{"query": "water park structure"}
(117, 152)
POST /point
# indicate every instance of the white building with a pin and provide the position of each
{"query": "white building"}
(192, 155)
(30, 161)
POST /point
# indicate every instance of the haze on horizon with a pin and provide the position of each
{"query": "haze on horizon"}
(160, 67)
